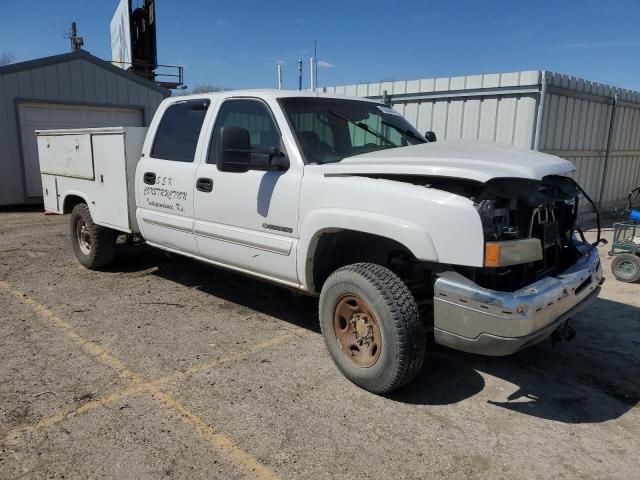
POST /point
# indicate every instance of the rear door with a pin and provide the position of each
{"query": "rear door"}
(165, 177)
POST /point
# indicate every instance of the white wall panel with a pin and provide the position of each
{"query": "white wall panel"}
(488, 116)
(581, 118)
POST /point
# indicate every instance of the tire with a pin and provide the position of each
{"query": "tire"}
(626, 267)
(92, 244)
(384, 362)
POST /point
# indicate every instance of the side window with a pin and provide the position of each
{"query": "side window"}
(256, 118)
(177, 134)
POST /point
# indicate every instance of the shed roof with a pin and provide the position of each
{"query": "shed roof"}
(81, 55)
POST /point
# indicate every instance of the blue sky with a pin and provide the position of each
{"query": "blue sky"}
(237, 44)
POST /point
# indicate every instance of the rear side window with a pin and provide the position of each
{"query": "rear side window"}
(177, 135)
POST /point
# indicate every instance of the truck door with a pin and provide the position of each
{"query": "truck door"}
(249, 220)
(165, 177)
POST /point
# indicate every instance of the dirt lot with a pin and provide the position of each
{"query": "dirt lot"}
(165, 368)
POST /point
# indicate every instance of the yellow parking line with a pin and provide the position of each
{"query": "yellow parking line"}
(239, 356)
(101, 353)
(241, 458)
(87, 407)
(136, 387)
(222, 442)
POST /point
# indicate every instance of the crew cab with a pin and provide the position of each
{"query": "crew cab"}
(340, 197)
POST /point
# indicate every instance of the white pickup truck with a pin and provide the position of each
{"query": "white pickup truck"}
(340, 197)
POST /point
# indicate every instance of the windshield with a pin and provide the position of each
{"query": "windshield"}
(329, 129)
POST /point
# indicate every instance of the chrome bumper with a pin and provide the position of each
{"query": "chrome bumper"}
(474, 319)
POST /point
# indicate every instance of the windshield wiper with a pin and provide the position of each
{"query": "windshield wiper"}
(403, 132)
(363, 126)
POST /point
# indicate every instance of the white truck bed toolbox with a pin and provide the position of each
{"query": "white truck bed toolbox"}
(95, 164)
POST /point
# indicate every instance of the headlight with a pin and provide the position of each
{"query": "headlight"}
(512, 252)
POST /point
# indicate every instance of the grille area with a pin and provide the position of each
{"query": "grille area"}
(550, 234)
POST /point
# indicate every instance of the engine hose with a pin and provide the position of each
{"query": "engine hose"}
(595, 207)
(581, 233)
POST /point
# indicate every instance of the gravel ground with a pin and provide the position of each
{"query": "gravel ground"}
(161, 367)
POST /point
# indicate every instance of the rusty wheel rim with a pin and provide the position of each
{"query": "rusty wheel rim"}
(357, 330)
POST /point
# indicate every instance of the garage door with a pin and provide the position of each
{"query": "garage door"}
(41, 116)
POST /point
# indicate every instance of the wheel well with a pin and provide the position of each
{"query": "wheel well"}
(336, 249)
(71, 201)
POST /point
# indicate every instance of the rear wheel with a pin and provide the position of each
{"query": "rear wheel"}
(92, 244)
(626, 267)
(371, 327)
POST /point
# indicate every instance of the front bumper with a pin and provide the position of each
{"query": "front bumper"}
(474, 319)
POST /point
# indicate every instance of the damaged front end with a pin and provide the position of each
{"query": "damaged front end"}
(536, 274)
(529, 225)
(532, 271)
(529, 228)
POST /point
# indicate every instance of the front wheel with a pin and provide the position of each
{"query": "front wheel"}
(92, 244)
(371, 327)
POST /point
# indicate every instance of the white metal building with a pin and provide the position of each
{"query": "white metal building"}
(595, 126)
(64, 91)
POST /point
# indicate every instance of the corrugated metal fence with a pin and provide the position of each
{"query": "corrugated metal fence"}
(597, 127)
(546, 111)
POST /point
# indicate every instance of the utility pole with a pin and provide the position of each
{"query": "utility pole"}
(315, 62)
(312, 74)
(76, 41)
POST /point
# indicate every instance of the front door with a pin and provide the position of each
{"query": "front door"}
(165, 178)
(249, 220)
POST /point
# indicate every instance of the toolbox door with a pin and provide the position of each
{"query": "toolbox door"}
(110, 193)
(50, 193)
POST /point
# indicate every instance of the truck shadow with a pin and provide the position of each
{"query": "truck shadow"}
(594, 378)
(269, 299)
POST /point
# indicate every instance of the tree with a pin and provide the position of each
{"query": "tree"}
(6, 58)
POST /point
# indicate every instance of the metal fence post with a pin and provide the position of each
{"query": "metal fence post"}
(385, 98)
(540, 112)
(605, 167)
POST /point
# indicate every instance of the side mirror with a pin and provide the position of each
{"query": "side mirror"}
(278, 160)
(430, 136)
(234, 149)
(234, 153)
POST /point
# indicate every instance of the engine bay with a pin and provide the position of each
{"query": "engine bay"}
(515, 208)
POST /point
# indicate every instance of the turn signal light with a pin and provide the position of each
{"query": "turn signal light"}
(492, 254)
(512, 252)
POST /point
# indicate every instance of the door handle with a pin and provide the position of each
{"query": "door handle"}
(149, 178)
(204, 185)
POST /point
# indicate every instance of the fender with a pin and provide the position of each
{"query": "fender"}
(412, 235)
(75, 193)
(91, 206)
(434, 225)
